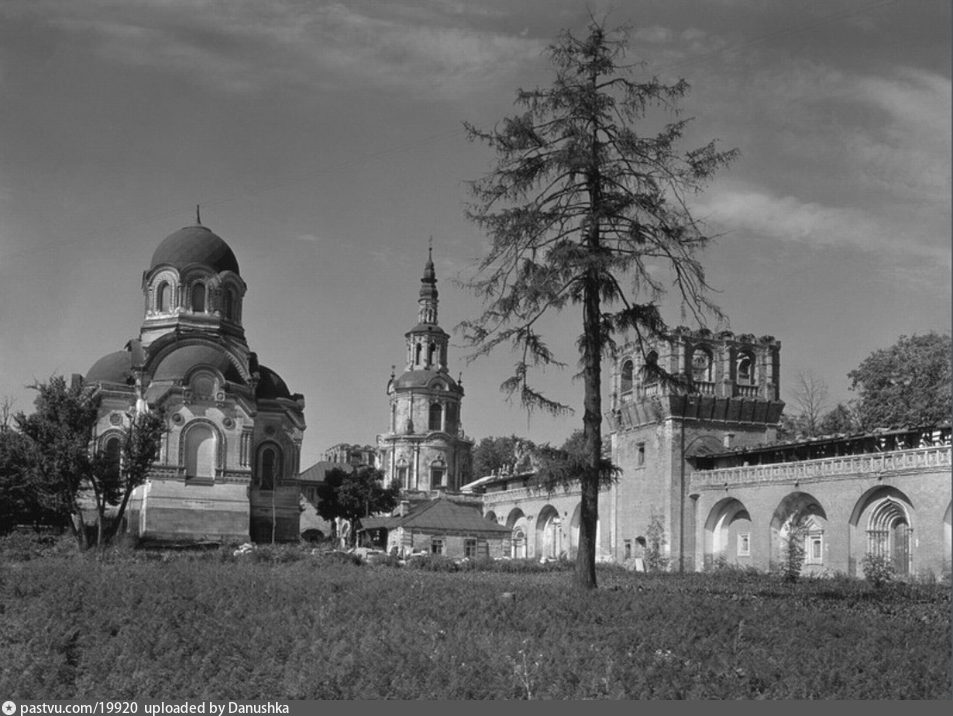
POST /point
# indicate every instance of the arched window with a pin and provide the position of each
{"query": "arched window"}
(626, 384)
(436, 417)
(701, 365)
(430, 351)
(198, 298)
(745, 371)
(200, 451)
(417, 354)
(228, 303)
(452, 417)
(112, 451)
(269, 466)
(649, 375)
(393, 418)
(164, 297)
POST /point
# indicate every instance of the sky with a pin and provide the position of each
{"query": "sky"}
(325, 144)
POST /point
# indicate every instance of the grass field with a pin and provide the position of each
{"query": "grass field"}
(293, 625)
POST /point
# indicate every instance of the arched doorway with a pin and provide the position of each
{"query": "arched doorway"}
(728, 534)
(799, 513)
(947, 538)
(548, 536)
(882, 526)
(516, 521)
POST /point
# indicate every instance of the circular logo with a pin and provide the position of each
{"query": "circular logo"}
(9, 708)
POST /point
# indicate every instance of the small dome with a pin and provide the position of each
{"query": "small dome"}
(270, 385)
(195, 245)
(112, 368)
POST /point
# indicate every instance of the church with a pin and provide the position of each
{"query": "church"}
(227, 468)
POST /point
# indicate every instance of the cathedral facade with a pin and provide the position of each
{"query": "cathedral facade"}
(228, 461)
(425, 448)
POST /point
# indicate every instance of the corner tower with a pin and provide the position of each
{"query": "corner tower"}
(425, 447)
(725, 394)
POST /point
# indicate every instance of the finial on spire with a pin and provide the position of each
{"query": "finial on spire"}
(198, 216)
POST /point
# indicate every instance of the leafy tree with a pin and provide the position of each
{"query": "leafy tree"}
(23, 500)
(585, 209)
(57, 459)
(841, 419)
(905, 385)
(113, 485)
(492, 454)
(355, 494)
(57, 467)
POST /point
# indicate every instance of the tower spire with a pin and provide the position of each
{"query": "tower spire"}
(427, 302)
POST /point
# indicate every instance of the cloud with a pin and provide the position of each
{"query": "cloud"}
(756, 211)
(245, 46)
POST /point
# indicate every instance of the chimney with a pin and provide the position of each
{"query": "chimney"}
(402, 510)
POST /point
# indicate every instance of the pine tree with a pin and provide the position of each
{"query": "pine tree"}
(584, 208)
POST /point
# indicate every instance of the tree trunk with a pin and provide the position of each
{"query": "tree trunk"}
(592, 373)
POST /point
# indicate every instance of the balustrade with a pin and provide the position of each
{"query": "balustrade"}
(844, 465)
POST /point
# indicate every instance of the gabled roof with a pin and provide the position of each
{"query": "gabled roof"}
(445, 515)
(316, 472)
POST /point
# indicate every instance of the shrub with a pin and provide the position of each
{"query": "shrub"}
(655, 559)
(793, 551)
(877, 570)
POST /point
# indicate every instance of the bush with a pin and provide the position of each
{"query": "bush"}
(877, 570)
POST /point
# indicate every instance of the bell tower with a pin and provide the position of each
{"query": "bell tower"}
(425, 448)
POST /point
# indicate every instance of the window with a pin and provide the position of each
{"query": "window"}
(198, 298)
(436, 416)
(437, 473)
(745, 370)
(744, 544)
(228, 303)
(437, 546)
(640, 459)
(649, 371)
(451, 419)
(417, 354)
(626, 383)
(814, 549)
(701, 365)
(470, 548)
(200, 451)
(402, 476)
(430, 351)
(627, 554)
(164, 300)
(269, 467)
(112, 452)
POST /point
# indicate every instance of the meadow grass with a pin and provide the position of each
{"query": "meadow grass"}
(288, 624)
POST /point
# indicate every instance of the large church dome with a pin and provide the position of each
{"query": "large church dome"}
(195, 245)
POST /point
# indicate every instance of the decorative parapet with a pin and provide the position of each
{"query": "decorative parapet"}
(528, 492)
(824, 468)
